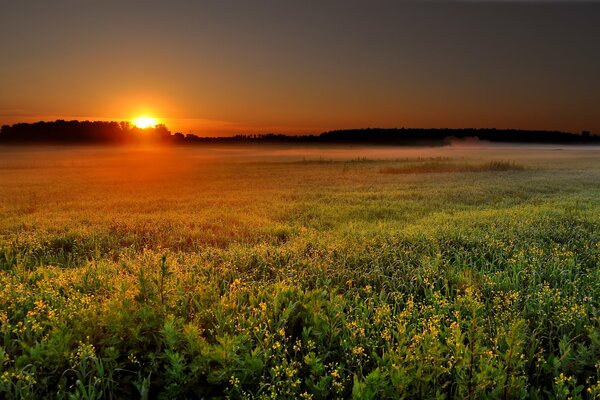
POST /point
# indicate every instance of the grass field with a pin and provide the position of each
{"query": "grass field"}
(300, 273)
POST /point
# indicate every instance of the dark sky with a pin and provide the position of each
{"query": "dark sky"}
(297, 67)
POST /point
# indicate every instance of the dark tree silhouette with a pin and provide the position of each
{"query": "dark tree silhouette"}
(81, 132)
(98, 132)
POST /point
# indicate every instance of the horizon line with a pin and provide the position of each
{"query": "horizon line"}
(316, 133)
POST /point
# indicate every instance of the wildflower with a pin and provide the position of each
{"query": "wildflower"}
(297, 345)
(234, 381)
(358, 351)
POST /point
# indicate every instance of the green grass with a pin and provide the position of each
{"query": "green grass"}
(437, 166)
(261, 274)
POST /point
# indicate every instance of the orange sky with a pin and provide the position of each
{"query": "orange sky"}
(235, 67)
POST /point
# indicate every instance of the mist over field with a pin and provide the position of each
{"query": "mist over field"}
(158, 154)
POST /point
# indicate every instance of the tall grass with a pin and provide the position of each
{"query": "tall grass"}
(441, 166)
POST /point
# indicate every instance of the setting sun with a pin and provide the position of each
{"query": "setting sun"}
(144, 122)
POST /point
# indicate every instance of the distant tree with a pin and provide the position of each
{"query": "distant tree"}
(161, 132)
(97, 132)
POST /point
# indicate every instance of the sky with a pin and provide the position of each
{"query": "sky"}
(297, 67)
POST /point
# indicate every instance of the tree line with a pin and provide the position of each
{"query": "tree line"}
(104, 132)
(81, 132)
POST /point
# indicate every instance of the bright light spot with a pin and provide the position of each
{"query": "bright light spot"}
(145, 122)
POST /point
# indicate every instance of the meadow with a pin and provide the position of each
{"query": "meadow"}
(312, 273)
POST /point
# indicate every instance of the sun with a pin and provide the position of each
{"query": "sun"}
(145, 122)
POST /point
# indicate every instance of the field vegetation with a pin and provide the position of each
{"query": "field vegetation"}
(436, 165)
(299, 273)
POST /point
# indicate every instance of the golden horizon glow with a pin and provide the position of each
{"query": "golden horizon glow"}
(145, 122)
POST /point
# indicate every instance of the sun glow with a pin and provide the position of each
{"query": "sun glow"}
(145, 122)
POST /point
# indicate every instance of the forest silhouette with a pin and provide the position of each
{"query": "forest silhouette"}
(81, 132)
(112, 132)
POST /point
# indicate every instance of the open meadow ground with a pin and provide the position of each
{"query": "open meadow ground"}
(299, 273)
